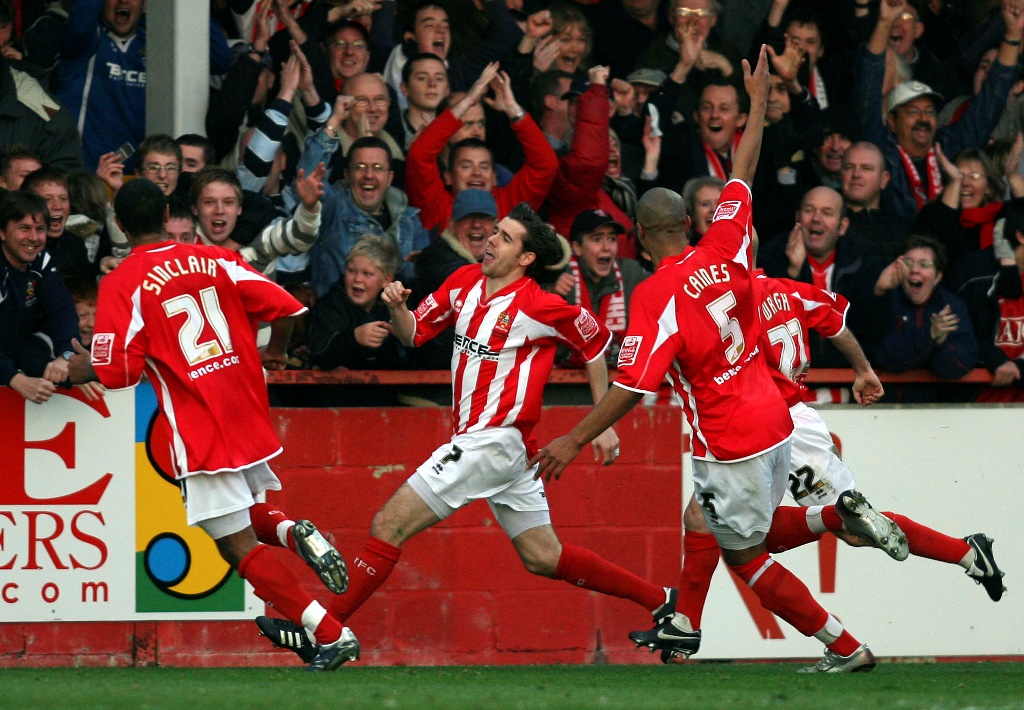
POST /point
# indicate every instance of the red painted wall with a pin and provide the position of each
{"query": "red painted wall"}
(459, 594)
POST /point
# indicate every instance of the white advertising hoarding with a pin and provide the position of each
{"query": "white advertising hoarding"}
(92, 526)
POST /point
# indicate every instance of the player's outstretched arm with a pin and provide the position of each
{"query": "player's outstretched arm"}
(554, 457)
(606, 445)
(274, 354)
(403, 325)
(867, 389)
(747, 152)
(80, 368)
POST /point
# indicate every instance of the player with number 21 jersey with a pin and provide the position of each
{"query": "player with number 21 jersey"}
(185, 314)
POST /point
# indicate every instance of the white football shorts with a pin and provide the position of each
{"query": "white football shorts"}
(738, 499)
(488, 464)
(219, 502)
(816, 473)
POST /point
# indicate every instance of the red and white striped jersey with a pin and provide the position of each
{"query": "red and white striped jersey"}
(696, 321)
(787, 310)
(185, 314)
(504, 347)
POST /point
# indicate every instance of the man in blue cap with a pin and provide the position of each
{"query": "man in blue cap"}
(474, 214)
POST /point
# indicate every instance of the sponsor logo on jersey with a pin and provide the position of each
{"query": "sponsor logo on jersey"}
(586, 325)
(426, 305)
(630, 348)
(102, 348)
(458, 305)
(471, 347)
(727, 210)
(503, 324)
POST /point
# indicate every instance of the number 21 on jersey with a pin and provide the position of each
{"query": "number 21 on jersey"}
(197, 314)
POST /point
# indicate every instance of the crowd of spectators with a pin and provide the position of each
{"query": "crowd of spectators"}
(349, 143)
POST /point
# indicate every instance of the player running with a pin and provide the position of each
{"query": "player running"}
(695, 320)
(506, 332)
(818, 478)
(185, 315)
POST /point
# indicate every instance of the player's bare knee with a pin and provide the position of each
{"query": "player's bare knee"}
(387, 527)
(693, 518)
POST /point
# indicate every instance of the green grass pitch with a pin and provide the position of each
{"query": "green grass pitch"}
(709, 686)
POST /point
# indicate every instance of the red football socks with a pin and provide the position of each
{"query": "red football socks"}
(275, 585)
(581, 567)
(266, 520)
(365, 574)
(789, 529)
(925, 542)
(700, 559)
(783, 594)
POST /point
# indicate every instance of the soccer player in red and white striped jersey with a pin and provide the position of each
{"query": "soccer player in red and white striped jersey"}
(506, 331)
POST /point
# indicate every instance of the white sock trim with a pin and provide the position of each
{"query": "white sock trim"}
(284, 531)
(312, 615)
(814, 522)
(757, 575)
(831, 631)
(968, 561)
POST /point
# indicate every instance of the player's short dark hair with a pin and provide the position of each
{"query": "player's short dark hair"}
(18, 204)
(196, 140)
(408, 67)
(921, 241)
(367, 142)
(540, 239)
(140, 206)
(210, 175)
(159, 143)
(453, 153)
(44, 176)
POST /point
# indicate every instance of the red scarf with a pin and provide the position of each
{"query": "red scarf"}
(715, 165)
(821, 271)
(984, 217)
(917, 187)
(613, 305)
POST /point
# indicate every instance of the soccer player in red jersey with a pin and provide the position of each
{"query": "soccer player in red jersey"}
(506, 332)
(695, 320)
(818, 478)
(184, 314)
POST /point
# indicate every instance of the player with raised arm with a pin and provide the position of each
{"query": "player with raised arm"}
(696, 321)
(506, 332)
(818, 479)
(185, 315)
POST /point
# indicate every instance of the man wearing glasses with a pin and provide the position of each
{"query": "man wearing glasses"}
(365, 203)
(160, 163)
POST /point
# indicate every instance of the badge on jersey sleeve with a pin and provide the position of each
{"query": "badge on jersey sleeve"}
(629, 350)
(102, 348)
(586, 325)
(727, 210)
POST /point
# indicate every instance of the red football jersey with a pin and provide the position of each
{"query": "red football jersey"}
(696, 320)
(504, 347)
(184, 314)
(788, 309)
